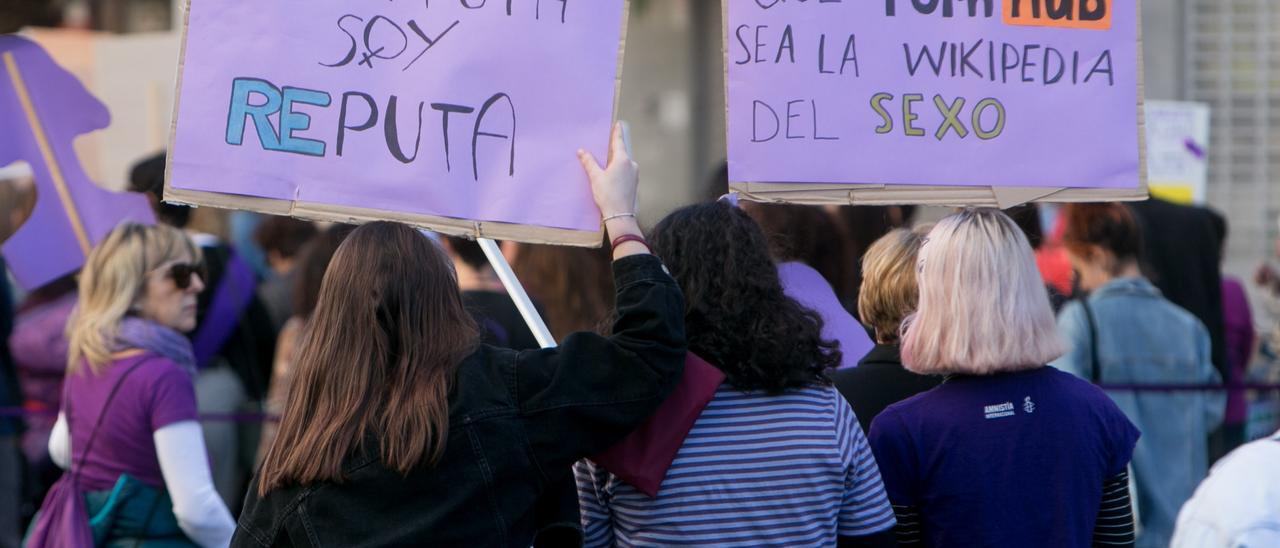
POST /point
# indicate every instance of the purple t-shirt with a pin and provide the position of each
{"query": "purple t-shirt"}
(1016, 459)
(158, 393)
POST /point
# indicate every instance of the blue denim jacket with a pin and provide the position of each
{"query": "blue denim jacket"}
(1142, 338)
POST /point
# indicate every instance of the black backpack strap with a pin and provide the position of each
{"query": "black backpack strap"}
(75, 469)
(1095, 365)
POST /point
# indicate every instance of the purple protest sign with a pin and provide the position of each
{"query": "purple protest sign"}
(462, 110)
(999, 93)
(43, 108)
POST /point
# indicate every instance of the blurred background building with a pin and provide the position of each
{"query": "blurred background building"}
(1226, 53)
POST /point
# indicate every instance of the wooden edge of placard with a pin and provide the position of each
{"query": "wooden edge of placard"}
(353, 215)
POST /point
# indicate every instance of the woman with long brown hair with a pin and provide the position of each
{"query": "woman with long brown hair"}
(401, 429)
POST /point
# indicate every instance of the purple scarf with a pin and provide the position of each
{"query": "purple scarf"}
(147, 335)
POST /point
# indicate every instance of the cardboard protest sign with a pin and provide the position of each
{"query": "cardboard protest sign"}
(462, 116)
(43, 108)
(975, 102)
(1178, 150)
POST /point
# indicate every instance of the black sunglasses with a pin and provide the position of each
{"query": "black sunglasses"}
(182, 272)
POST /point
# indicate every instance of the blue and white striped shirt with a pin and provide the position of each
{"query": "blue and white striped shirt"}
(787, 470)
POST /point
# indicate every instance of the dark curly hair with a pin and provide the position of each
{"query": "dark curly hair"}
(737, 316)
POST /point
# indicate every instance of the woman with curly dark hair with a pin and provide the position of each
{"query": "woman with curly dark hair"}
(776, 457)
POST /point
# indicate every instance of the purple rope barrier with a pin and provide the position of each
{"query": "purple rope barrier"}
(18, 412)
(1251, 387)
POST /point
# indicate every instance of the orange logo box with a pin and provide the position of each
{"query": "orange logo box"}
(1069, 14)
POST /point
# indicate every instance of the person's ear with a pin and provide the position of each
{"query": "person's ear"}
(1096, 254)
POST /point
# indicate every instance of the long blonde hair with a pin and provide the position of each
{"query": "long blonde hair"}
(112, 282)
(983, 306)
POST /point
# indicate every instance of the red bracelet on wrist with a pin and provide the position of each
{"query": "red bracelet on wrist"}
(630, 238)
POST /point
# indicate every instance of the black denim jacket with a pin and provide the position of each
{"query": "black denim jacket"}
(517, 421)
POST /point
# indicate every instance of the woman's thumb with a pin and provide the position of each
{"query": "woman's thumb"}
(590, 164)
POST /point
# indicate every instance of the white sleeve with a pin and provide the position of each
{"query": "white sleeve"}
(60, 443)
(184, 463)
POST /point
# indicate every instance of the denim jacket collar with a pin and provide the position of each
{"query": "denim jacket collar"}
(1135, 286)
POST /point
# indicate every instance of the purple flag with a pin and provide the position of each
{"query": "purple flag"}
(43, 108)
(804, 284)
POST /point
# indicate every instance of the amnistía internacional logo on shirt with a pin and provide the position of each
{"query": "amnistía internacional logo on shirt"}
(999, 410)
(1007, 409)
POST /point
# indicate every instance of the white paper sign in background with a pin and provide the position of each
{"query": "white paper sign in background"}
(1178, 150)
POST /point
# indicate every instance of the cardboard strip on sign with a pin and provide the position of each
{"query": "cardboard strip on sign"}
(351, 215)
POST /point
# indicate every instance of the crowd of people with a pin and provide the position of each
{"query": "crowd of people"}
(821, 377)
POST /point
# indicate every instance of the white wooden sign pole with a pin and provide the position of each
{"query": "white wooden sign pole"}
(509, 280)
(517, 292)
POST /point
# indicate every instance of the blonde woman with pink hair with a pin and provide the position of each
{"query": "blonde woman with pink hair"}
(1007, 451)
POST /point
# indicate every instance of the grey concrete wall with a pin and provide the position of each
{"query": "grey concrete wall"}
(1163, 25)
(673, 96)
(657, 102)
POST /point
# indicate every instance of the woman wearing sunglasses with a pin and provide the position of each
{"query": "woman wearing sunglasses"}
(127, 433)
